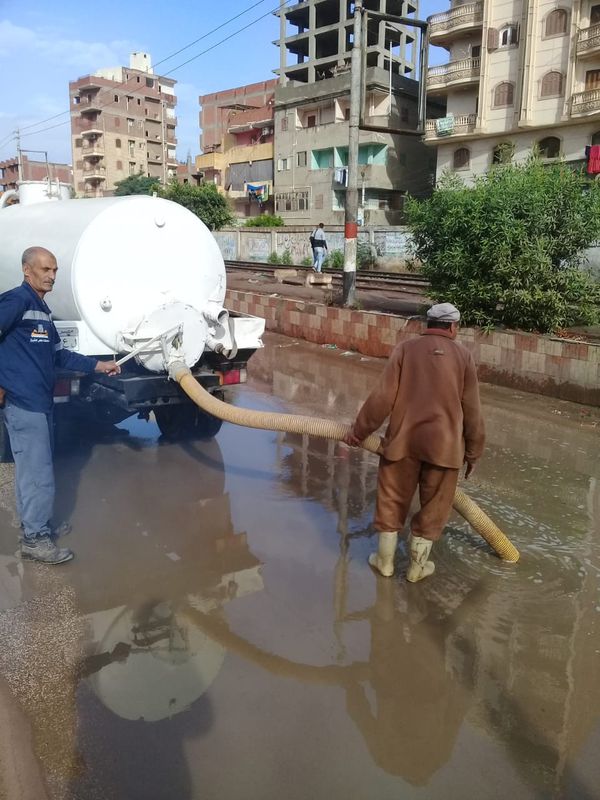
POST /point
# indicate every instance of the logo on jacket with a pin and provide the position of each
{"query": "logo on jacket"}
(39, 334)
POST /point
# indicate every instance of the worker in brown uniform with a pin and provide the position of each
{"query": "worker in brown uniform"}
(429, 391)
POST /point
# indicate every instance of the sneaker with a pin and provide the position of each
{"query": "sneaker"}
(45, 551)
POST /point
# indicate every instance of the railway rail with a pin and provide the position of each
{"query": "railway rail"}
(405, 282)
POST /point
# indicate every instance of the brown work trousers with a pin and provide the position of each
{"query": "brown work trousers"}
(397, 482)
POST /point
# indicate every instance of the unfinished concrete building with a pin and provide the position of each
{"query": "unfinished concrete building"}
(312, 109)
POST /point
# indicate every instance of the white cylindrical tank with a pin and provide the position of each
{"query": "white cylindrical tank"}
(120, 259)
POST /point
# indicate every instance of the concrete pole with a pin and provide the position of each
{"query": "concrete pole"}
(350, 226)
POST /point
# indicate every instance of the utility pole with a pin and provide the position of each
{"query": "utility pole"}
(19, 157)
(351, 225)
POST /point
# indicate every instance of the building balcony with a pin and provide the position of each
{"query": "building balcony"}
(89, 107)
(93, 150)
(212, 161)
(94, 173)
(155, 158)
(450, 126)
(455, 73)
(588, 42)
(250, 152)
(91, 131)
(585, 102)
(171, 121)
(444, 27)
(89, 84)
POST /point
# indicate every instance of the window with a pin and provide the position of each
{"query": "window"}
(592, 79)
(311, 121)
(139, 102)
(595, 138)
(552, 84)
(509, 36)
(284, 123)
(116, 98)
(78, 142)
(556, 22)
(150, 83)
(292, 201)
(282, 164)
(549, 147)
(131, 145)
(504, 95)
(117, 122)
(119, 165)
(129, 124)
(404, 114)
(301, 158)
(475, 50)
(117, 143)
(462, 158)
(77, 100)
(595, 15)
(347, 113)
(132, 167)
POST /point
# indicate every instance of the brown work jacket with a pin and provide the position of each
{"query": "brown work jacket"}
(430, 392)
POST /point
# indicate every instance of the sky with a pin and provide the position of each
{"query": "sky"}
(44, 45)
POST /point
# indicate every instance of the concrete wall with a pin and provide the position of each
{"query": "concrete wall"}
(557, 368)
(256, 244)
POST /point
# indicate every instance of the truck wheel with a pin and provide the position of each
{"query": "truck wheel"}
(186, 422)
(6, 455)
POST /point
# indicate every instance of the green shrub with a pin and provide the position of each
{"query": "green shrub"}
(365, 257)
(273, 258)
(509, 249)
(334, 259)
(306, 262)
(264, 221)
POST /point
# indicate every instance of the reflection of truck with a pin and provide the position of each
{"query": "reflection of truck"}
(137, 276)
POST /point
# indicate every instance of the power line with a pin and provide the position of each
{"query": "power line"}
(162, 61)
(179, 66)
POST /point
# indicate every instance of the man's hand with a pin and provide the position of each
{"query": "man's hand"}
(469, 469)
(351, 440)
(108, 367)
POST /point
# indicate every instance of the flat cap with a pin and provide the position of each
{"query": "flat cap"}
(444, 312)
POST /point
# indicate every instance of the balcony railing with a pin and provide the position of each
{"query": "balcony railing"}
(588, 40)
(585, 102)
(95, 149)
(460, 16)
(451, 126)
(94, 174)
(468, 69)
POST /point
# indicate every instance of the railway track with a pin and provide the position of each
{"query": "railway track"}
(405, 282)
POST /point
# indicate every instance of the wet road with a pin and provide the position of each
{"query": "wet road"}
(220, 634)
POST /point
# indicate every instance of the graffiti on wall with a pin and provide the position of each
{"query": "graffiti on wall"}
(227, 242)
(255, 246)
(390, 243)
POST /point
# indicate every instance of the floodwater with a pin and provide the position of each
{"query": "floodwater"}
(220, 634)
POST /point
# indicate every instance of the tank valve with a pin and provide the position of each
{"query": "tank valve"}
(106, 304)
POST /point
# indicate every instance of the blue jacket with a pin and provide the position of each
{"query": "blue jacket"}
(31, 350)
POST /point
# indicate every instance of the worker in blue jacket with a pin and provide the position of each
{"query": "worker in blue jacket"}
(30, 353)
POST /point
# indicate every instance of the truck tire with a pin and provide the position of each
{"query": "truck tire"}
(186, 422)
(6, 455)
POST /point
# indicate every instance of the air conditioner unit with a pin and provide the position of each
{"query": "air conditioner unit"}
(266, 131)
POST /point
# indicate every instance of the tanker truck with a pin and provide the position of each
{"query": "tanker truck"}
(138, 276)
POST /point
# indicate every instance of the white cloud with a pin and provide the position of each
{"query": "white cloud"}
(44, 44)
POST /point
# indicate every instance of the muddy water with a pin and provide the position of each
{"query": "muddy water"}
(220, 634)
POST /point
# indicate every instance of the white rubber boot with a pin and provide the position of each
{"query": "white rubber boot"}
(383, 559)
(419, 567)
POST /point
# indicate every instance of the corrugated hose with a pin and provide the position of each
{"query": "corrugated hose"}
(328, 429)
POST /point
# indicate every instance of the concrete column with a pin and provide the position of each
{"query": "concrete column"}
(342, 30)
(312, 44)
(282, 48)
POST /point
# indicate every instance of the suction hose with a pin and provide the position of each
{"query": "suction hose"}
(328, 429)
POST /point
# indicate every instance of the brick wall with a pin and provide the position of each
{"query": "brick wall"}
(563, 369)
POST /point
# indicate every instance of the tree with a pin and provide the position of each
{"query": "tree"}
(510, 248)
(136, 184)
(205, 201)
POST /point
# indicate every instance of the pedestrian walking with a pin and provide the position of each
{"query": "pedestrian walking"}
(30, 353)
(429, 391)
(319, 247)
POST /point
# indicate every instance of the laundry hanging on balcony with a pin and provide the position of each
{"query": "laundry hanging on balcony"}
(593, 159)
(258, 191)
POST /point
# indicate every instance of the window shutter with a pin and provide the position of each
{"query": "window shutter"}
(492, 39)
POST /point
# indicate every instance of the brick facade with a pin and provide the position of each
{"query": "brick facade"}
(557, 368)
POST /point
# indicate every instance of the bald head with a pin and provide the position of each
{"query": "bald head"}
(31, 255)
(39, 269)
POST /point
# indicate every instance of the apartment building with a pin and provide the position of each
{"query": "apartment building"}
(237, 145)
(123, 122)
(32, 171)
(312, 109)
(520, 74)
